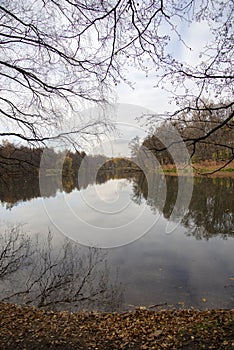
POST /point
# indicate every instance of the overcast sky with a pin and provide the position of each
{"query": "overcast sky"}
(145, 98)
(144, 93)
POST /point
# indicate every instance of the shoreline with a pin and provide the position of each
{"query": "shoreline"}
(204, 169)
(24, 327)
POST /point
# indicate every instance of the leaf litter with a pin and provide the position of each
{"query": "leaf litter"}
(23, 327)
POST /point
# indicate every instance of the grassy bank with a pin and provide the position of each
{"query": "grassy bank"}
(211, 169)
(30, 328)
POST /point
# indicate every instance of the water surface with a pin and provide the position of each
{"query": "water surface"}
(190, 266)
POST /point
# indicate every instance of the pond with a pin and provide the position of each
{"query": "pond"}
(134, 259)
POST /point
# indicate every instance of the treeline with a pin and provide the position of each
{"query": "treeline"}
(119, 163)
(20, 167)
(15, 159)
(201, 132)
(18, 160)
(23, 159)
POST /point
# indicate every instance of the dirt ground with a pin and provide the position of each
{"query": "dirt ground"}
(30, 328)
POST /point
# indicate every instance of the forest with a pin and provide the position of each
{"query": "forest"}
(192, 129)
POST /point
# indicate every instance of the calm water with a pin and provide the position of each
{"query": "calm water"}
(192, 264)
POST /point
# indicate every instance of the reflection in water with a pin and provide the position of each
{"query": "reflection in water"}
(17, 189)
(35, 273)
(211, 210)
(155, 269)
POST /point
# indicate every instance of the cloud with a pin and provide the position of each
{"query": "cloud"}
(195, 35)
(123, 116)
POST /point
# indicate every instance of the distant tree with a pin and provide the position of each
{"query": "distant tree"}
(139, 153)
(154, 143)
(16, 160)
(134, 146)
(206, 134)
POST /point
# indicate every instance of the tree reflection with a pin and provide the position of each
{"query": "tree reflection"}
(211, 210)
(71, 278)
(14, 251)
(23, 188)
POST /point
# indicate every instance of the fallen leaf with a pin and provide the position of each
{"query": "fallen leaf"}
(157, 333)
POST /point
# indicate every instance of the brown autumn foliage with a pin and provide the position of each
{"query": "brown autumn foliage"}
(30, 328)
